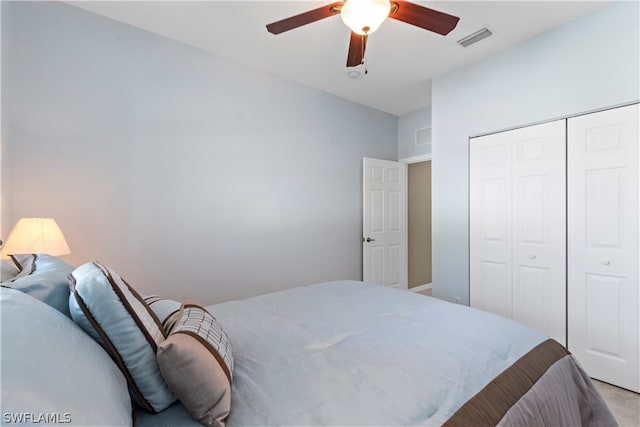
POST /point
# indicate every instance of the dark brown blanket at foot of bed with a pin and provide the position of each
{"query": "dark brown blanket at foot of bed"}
(545, 387)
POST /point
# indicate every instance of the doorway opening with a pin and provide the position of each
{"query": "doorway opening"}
(419, 243)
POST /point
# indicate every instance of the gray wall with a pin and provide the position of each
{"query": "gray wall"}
(590, 63)
(407, 126)
(190, 175)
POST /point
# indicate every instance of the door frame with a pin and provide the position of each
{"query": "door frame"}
(408, 161)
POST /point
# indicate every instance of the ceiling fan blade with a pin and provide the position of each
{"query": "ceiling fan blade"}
(304, 18)
(423, 17)
(357, 45)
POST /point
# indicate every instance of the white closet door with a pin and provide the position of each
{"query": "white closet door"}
(490, 224)
(539, 228)
(517, 226)
(603, 244)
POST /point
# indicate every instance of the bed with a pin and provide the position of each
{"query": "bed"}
(351, 353)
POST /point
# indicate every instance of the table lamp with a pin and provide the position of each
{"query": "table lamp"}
(35, 236)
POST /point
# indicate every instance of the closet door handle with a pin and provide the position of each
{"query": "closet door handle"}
(532, 256)
(606, 261)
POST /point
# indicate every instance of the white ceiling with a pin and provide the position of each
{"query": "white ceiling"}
(401, 59)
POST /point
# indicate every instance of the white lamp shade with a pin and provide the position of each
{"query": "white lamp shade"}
(36, 236)
(365, 16)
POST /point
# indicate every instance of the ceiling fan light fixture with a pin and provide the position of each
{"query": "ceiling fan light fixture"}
(364, 16)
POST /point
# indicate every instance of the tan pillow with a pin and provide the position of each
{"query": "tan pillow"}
(197, 362)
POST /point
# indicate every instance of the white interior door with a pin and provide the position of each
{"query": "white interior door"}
(517, 226)
(603, 245)
(384, 242)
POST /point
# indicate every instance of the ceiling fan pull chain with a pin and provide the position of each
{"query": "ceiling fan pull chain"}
(364, 57)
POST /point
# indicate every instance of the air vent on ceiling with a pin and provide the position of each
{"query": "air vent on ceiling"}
(475, 37)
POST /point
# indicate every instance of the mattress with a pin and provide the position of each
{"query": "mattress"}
(350, 353)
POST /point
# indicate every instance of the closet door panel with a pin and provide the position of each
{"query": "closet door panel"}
(603, 245)
(533, 288)
(490, 227)
(539, 227)
(517, 226)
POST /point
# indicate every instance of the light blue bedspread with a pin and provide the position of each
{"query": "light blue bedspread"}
(348, 353)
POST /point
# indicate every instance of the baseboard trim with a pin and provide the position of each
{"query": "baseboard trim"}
(421, 288)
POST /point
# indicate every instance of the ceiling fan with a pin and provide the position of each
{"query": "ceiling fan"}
(363, 17)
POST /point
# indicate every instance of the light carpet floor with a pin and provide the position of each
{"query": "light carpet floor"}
(624, 404)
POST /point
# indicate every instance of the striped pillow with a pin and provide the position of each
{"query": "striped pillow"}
(196, 360)
(106, 307)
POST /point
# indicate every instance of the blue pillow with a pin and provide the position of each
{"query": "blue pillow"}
(116, 316)
(166, 309)
(51, 368)
(43, 277)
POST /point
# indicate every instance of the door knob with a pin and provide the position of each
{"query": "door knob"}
(606, 261)
(369, 239)
(532, 256)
